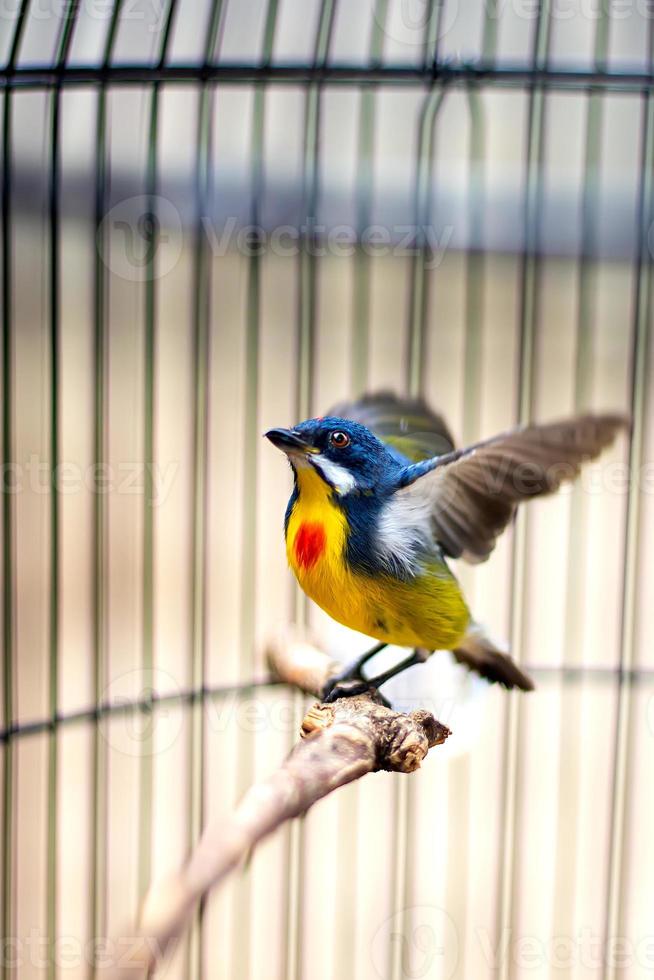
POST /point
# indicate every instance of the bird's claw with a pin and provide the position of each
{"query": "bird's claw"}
(336, 688)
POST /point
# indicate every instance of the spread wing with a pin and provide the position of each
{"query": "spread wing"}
(406, 425)
(472, 493)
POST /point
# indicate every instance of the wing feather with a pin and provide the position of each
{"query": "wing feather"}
(473, 493)
(406, 425)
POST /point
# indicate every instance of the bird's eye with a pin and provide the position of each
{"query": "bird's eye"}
(339, 439)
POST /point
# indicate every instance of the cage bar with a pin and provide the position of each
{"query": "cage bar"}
(641, 339)
(7, 501)
(201, 315)
(528, 322)
(99, 787)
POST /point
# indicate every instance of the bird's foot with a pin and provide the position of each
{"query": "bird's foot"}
(349, 687)
(350, 680)
(344, 680)
(346, 687)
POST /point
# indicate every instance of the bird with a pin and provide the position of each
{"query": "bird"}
(383, 502)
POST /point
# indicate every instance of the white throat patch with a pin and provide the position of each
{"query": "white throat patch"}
(337, 475)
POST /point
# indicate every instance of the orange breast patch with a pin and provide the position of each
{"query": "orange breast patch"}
(309, 543)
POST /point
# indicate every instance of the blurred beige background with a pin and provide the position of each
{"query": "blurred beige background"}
(509, 852)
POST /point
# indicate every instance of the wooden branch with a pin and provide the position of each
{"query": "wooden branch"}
(340, 743)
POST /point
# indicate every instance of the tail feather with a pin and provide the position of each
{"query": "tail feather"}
(479, 654)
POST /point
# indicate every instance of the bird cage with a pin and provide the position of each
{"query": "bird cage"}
(222, 216)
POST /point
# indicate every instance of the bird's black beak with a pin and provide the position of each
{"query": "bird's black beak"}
(289, 441)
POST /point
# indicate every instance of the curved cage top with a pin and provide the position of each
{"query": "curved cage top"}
(403, 40)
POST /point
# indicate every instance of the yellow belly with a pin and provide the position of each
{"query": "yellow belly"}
(428, 611)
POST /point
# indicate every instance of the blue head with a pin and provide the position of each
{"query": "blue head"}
(346, 455)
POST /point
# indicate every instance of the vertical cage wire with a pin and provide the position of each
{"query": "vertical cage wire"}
(306, 317)
(418, 299)
(641, 339)
(415, 365)
(587, 279)
(66, 34)
(366, 123)
(99, 783)
(241, 950)
(146, 773)
(350, 807)
(201, 318)
(528, 317)
(8, 540)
